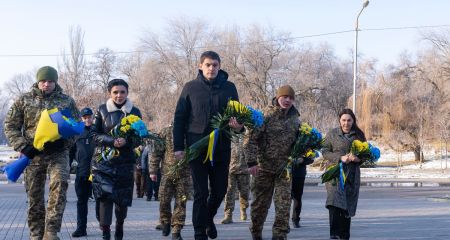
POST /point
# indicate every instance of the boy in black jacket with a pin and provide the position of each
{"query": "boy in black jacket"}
(82, 153)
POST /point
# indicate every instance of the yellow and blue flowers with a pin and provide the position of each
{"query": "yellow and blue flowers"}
(132, 128)
(366, 152)
(246, 115)
(308, 140)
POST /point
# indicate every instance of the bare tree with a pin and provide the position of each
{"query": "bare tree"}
(72, 67)
(104, 66)
(19, 84)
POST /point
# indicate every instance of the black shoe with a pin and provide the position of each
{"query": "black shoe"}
(158, 227)
(200, 234)
(176, 236)
(156, 198)
(211, 231)
(296, 223)
(165, 229)
(106, 233)
(256, 236)
(148, 199)
(118, 235)
(79, 233)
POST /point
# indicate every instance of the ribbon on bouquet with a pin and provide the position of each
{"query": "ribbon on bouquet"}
(213, 136)
(342, 177)
(109, 153)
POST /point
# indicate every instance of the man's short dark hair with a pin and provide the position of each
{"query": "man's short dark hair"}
(209, 54)
(117, 82)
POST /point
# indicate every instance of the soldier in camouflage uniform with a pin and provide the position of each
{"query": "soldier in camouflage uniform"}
(238, 180)
(266, 150)
(176, 185)
(20, 127)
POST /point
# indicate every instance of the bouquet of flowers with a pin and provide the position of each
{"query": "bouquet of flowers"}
(308, 141)
(54, 124)
(247, 115)
(365, 151)
(133, 129)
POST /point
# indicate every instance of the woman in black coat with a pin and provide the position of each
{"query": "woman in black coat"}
(342, 204)
(113, 178)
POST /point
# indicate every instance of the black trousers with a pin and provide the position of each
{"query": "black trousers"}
(207, 201)
(297, 193)
(153, 187)
(339, 223)
(83, 189)
(105, 210)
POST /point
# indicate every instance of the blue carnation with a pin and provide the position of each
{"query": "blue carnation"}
(140, 128)
(316, 133)
(376, 153)
(257, 117)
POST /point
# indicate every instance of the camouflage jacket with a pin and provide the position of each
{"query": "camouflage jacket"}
(238, 165)
(270, 145)
(24, 115)
(163, 155)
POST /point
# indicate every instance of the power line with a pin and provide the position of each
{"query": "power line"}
(249, 43)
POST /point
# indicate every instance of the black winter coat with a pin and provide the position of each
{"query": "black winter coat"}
(113, 179)
(199, 101)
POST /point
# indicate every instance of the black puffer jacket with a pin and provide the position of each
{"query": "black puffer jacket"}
(113, 179)
(199, 101)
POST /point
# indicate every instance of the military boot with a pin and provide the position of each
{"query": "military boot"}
(279, 237)
(243, 214)
(165, 229)
(176, 236)
(227, 219)
(50, 236)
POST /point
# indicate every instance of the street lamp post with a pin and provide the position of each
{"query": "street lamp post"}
(355, 57)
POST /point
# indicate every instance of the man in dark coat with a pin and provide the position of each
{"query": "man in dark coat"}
(200, 100)
(82, 151)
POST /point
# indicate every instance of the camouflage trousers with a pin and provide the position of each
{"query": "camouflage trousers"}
(173, 187)
(40, 219)
(265, 184)
(241, 184)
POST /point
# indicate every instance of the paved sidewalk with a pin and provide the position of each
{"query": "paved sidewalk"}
(383, 213)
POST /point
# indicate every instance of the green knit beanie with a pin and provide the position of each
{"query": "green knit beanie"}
(47, 73)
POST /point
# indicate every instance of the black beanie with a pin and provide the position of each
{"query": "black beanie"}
(47, 73)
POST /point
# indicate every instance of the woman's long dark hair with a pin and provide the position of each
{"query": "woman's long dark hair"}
(359, 133)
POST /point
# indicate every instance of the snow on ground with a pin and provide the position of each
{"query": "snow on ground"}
(433, 167)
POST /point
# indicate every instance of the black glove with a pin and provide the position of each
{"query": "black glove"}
(30, 151)
(53, 147)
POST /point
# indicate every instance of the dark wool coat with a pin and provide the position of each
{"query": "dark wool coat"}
(113, 179)
(335, 146)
